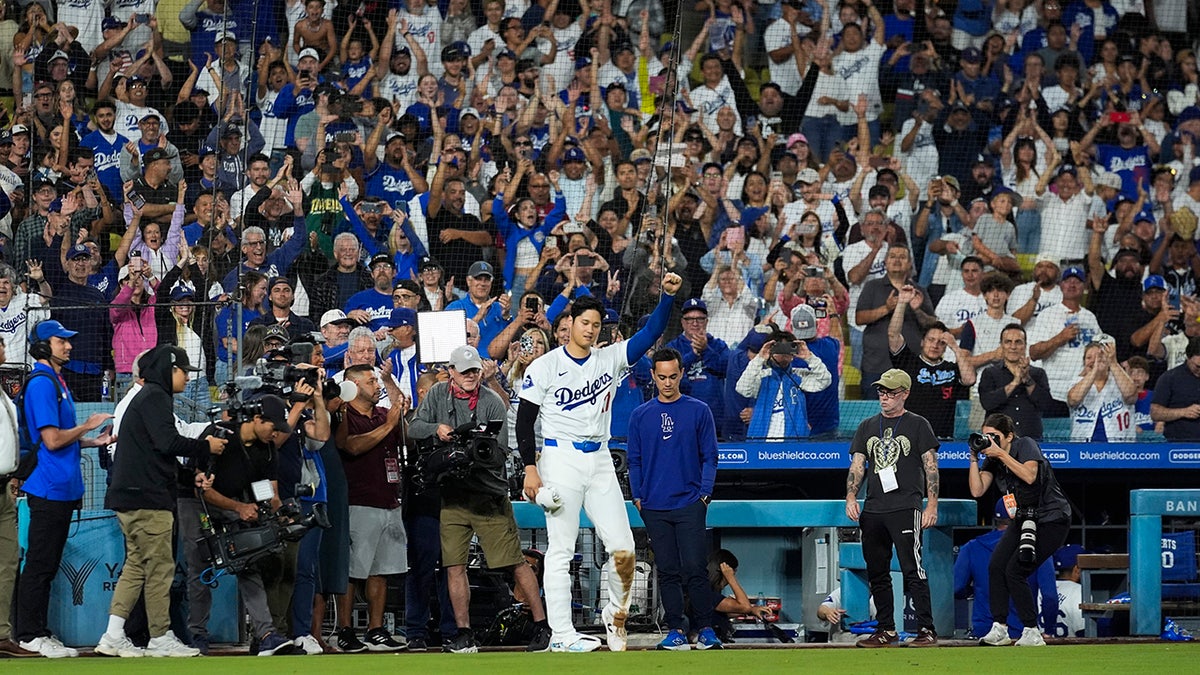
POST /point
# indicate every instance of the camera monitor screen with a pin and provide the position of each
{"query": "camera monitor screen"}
(439, 333)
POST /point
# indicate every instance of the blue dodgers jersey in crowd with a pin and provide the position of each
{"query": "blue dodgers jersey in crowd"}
(378, 305)
(107, 157)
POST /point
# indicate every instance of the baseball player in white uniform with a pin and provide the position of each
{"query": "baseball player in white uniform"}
(572, 389)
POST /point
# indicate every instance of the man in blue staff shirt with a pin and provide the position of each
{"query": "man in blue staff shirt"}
(672, 467)
(373, 306)
(55, 486)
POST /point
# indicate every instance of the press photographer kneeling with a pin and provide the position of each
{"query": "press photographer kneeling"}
(1041, 519)
(456, 426)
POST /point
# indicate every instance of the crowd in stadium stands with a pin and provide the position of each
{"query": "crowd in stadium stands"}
(925, 180)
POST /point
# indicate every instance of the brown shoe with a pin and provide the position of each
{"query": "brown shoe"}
(925, 638)
(10, 648)
(880, 638)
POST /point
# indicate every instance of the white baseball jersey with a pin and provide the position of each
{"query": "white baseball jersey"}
(575, 398)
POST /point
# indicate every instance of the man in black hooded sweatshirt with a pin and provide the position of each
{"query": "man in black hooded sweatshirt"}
(144, 474)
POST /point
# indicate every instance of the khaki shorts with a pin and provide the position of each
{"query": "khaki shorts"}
(497, 536)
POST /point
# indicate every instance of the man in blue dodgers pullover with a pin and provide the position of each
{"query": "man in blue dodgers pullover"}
(672, 467)
(373, 306)
(705, 359)
(55, 486)
(277, 262)
(971, 578)
(778, 379)
(487, 310)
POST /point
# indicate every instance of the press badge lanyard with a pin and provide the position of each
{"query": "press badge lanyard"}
(887, 477)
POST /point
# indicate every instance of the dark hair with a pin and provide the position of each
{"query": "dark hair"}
(105, 104)
(1012, 326)
(356, 369)
(1139, 362)
(770, 85)
(185, 112)
(709, 57)
(586, 303)
(971, 259)
(258, 157)
(666, 354)
(996, 281)
(1193, 347)
(78, 153)
(715, 578)
(936, 325)
(1001, 422)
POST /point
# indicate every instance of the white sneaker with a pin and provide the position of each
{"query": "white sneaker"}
(169, 645)
(997, 636)
(614, 624)
(49, 647)
(1031, 637)
(118, 645)
(576, 644)
(308, 643)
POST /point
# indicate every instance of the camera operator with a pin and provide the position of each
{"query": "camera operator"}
(1041, 520)
(251, 456)
(302, 476)
(369, 438)
(478, 502)
(142, 493)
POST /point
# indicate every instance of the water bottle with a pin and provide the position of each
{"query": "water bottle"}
(106, 386)
(761, 601)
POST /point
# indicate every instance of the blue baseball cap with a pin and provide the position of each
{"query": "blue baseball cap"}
(180, 292)
(583, 62)
(206, 150)
(1154, 281)
(78, 251)
(1067, 557)
(112, 23)
(1074, 271)
(1001, 511)
(751, 215)
(696, 304)
(756, 338)
(48, 329)
(611, 316)
(401, 316)
(574, 155)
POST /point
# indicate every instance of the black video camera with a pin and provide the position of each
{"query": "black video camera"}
(233, 547)
(470, 444)
(783, 348)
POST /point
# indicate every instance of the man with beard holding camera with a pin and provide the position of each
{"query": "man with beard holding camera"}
(1041, 521)
(369, 438)
(478, 502)
(143, 495)
(250, 457)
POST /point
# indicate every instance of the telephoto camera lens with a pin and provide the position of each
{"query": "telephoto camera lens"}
(1027, 548)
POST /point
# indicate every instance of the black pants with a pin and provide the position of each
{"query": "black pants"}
(1009, 577)
(880, 533)
(49, 525)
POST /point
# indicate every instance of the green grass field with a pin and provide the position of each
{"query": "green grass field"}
(1094, 658)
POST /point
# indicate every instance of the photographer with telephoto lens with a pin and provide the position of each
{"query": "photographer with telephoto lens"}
(1041, 520)
(469, 466)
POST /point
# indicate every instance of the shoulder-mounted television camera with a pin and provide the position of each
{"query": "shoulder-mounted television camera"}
(470, 444)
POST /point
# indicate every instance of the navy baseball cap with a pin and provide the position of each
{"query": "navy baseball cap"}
(1001, 511)
(1067, 557)
(574, 155)
(583, 62)
(180, 292)
(456, 50)
(401, 316)
(79, 251)
(206, 150)
(48, 329)
(112, 23)
(696, 304)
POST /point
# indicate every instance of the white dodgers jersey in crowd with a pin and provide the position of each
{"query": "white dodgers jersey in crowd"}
(575, 399)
